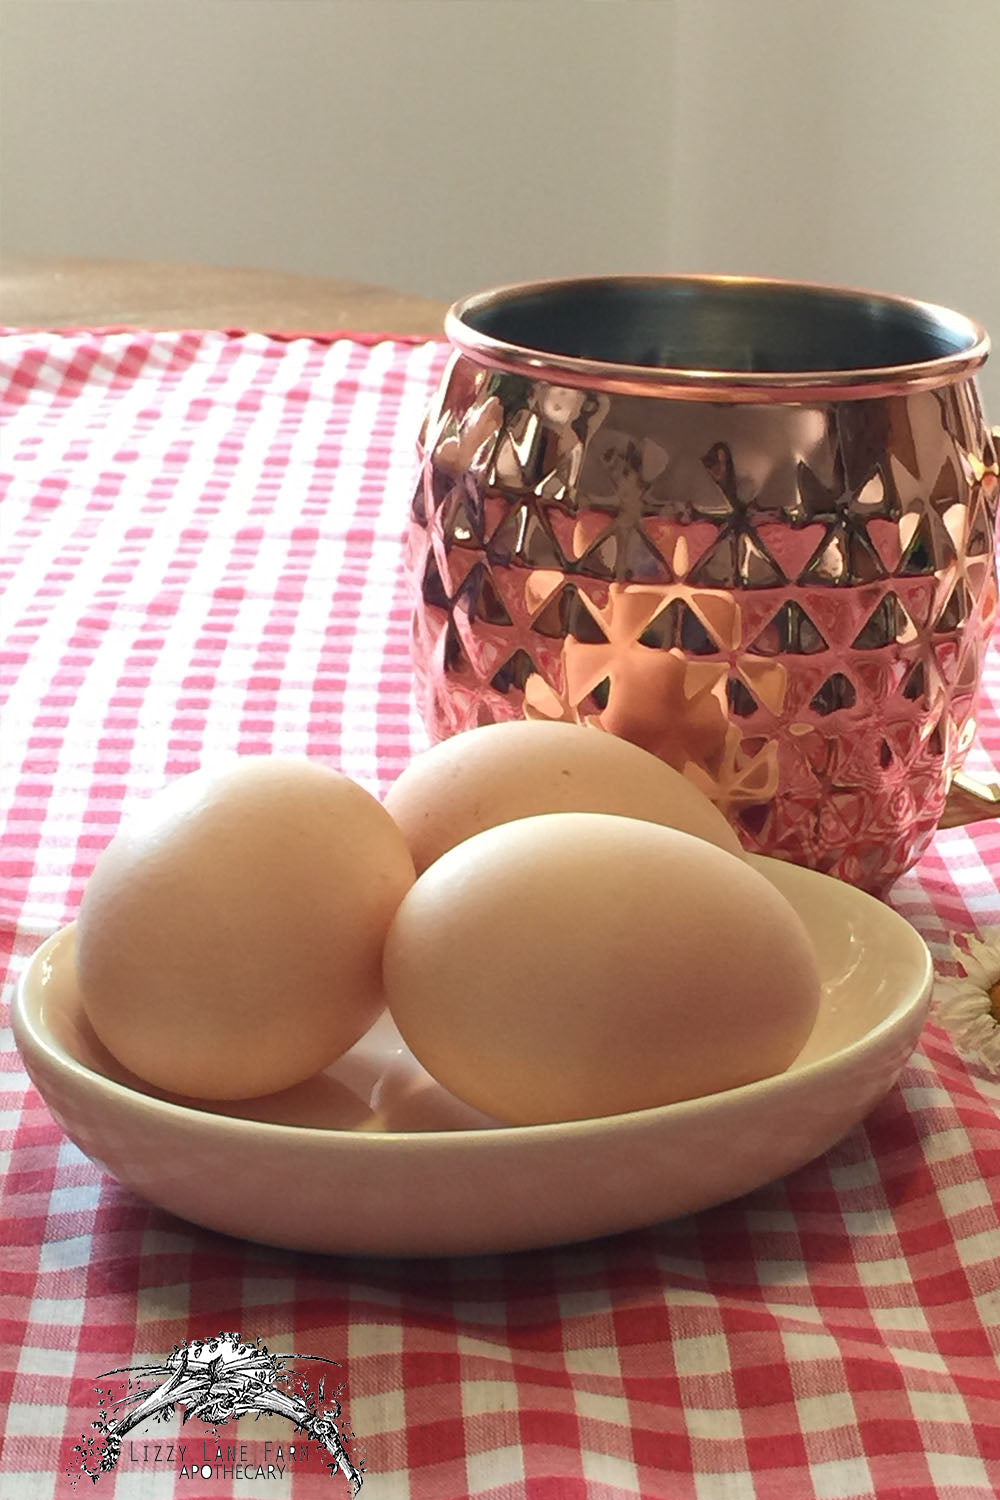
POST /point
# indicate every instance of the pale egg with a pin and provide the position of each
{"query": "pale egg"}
(579, 964)
(229, 941)
(500, 772)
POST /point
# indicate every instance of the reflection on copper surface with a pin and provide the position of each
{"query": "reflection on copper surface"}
(788, 602)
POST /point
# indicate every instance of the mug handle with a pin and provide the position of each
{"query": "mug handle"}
(970, 801)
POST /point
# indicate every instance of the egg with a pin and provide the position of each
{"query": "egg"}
(573, 965)
(500, 772)
(229, 940)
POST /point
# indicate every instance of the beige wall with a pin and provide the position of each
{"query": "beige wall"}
(442, 145)
(854, 141)
(434, 145)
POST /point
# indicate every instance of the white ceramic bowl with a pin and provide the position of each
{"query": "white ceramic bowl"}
(371, 1157)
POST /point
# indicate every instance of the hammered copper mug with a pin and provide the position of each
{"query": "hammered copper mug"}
(749, 525)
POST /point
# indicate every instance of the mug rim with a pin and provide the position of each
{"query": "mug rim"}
(693, 384)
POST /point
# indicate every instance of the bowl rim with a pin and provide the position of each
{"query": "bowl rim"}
(690, 384)
(913, 1002)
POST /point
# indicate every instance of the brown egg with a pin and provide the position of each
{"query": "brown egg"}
(229, 941)
(579, 964)
(501, 772)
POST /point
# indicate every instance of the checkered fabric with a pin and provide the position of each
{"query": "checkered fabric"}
(201, 553)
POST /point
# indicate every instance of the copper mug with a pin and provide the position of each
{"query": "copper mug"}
(749, 525)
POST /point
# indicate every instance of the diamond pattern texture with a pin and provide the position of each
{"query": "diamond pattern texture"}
(789, 603)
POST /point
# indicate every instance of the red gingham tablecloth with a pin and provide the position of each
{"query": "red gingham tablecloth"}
(201, 553)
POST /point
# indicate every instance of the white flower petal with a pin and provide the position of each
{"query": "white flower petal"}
(989, 1052)
(980, 1031)
(957, 999)
(964, 1006)
(982, 960)
(971, 967)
